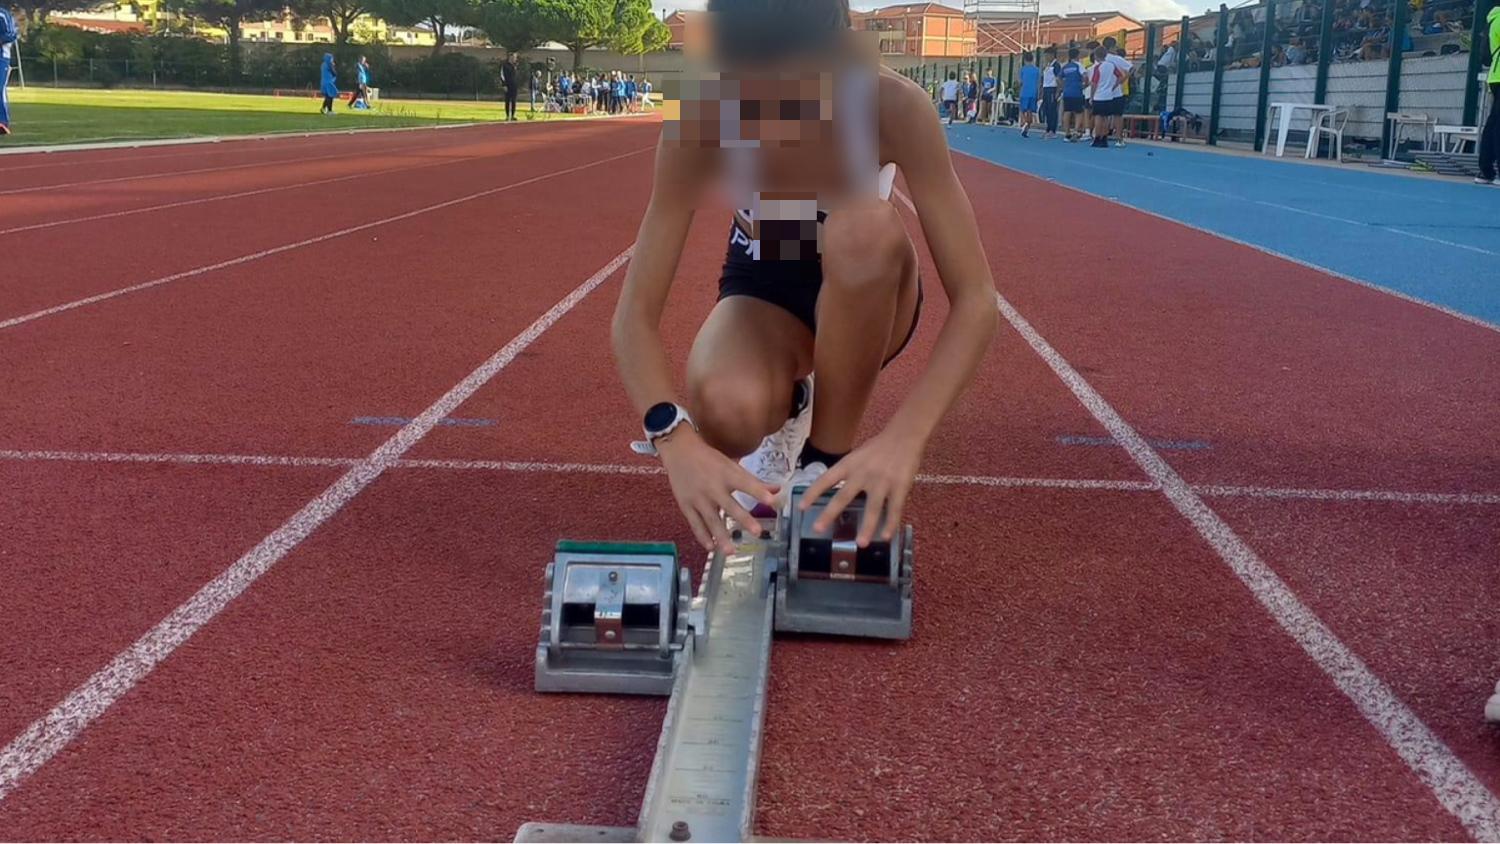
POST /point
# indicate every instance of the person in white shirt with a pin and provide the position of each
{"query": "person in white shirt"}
(1106, 77)
(1117, 58)
(1050, 72)
(950, 96)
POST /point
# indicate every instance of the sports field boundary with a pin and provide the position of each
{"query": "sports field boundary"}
(272, 136)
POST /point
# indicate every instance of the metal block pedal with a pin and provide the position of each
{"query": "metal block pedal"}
(614, 619)
(828, 584)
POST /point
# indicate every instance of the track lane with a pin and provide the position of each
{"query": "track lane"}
(51, 169)
(53, 266)
(95, 554)
(1285, 374)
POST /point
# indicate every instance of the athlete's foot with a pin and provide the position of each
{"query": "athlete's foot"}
(4, 130)
(803, 477)
(773, 461)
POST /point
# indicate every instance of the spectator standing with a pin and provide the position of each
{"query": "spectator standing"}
(949, 95)
(509, 77)
(1031, 83)
(1106, 78)
(328, 84)
(536, 86)
(1049, 91)
(1489, 142)
(360, 98)
(1116, 56)
(987, 97)
(8, 38)
(1072, 95)
(971, 98)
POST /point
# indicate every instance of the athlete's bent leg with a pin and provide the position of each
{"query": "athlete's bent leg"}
(741, 372)
(865, 312)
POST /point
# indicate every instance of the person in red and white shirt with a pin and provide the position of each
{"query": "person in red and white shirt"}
(1107, 79)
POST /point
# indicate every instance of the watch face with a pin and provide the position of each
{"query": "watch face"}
(660, 416)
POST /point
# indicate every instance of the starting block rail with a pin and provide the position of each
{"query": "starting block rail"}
(714, 650)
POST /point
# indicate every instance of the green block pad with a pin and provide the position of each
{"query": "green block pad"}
(642, 549)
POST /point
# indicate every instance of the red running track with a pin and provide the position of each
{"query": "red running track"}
(1086, 665)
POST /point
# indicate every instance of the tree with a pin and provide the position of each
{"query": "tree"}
(517, 25)
(229, 15)
(341, 15)
(639, 35)
(621, 25)
(36, 11)
(437, 14)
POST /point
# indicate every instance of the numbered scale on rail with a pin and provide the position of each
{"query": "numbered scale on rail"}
(621, 618)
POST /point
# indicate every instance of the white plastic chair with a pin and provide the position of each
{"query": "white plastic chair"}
(1330, 125)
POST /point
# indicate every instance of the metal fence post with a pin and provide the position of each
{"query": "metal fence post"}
(1220, 36)
(1182, 56)
(1325, 54)
(1267, 42)
(1472, 89)
(1149, 77)
(1393, 75)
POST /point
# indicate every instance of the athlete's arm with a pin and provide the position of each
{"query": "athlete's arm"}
(703, 479)
(886, 466)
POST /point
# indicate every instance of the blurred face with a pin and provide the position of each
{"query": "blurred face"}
(755, 110)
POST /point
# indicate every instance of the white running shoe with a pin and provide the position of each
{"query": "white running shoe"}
(1492, 708)
(772, 462)
(802, 477)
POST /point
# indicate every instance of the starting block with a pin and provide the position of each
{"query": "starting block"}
(620, 618)
(830, 585)
(614, 618)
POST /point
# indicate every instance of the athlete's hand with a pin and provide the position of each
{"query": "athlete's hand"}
(883, 469)
(703, 482)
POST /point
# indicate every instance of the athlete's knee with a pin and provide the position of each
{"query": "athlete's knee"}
(732, 413)
(865, 246)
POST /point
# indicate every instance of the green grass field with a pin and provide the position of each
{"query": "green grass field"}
(71, 115)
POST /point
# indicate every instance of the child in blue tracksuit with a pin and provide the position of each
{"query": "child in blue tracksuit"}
(328, 84)
(7, 41)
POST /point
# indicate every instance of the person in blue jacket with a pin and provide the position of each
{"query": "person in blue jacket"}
(360, 98)
(7, 43)
(329, 84)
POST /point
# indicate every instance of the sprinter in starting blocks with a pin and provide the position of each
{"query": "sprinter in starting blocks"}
(805, 133)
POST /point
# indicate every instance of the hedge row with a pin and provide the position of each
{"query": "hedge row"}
(178, 59)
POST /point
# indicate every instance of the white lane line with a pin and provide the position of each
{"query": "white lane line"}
(577, 468)
(1451, 782)
(287, 247)
(1397, 496)
(52, 732)
(1038, 483)
(1389, 291)
(174, 459)
(240, 195)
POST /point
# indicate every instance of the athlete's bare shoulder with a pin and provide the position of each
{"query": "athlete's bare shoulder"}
(902, 96)
(908, 122)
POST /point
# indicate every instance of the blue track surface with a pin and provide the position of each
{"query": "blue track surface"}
(1434, 240)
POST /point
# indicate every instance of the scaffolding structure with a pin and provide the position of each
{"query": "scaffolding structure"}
(1004, 27)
